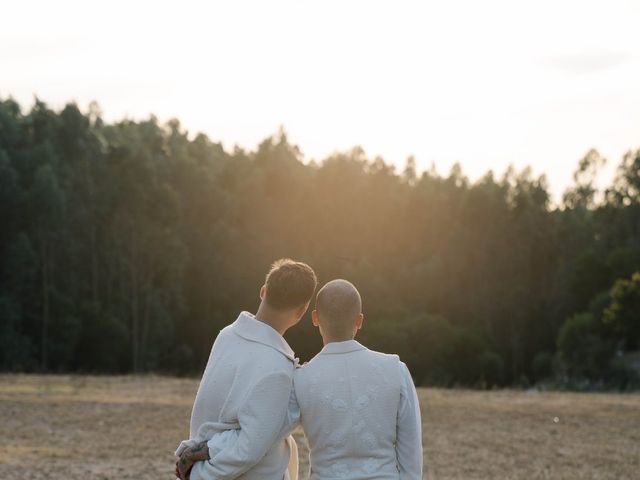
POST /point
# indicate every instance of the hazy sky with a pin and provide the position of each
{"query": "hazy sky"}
(485, 83)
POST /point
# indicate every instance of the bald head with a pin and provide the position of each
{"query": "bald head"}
(339, 305)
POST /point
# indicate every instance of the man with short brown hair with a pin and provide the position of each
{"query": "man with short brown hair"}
(246, 386)
(289, 284)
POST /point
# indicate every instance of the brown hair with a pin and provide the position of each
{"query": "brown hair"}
(289, 284)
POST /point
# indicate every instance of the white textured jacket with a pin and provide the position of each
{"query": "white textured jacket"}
(246, 385)
(360, 414)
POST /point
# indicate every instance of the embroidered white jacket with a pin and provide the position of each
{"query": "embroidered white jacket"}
(246, 385)
(360, 414)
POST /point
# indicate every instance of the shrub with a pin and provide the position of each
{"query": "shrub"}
(584, 353)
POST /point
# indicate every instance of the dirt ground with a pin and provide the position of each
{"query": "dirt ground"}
(78, 427)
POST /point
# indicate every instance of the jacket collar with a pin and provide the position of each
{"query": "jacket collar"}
(342, 347)
(250, 328)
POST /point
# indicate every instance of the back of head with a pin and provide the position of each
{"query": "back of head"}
(338, 305)
(289, 284)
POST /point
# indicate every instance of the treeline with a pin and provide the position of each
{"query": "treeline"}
(127, 247)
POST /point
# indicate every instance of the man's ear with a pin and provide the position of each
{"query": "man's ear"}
(263, 290)
(359, 321)
(314, 318)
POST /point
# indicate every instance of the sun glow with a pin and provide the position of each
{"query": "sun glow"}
(483, 83)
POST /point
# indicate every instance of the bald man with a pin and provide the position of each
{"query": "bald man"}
(358, 408)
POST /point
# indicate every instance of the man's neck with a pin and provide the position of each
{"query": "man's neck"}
(336, 339)
(279, 321)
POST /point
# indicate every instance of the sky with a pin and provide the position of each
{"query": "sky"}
(485, 84)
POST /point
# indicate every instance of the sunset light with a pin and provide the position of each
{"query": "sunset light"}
(485, 84)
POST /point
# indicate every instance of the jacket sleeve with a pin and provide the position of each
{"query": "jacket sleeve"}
(292, 419)
(409, 430)
(261, 417)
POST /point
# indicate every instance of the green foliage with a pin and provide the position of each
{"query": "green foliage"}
(623, 314)
(101, 345)
(581, 194)
(16, 349)
(542, 366)
(127, 246)
(623, 261)
(589, 277)
(626, 187)
(435, 351)
(624, 372)
(582, 348)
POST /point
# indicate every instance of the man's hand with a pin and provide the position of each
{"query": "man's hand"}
(190, 456)
(183, 468)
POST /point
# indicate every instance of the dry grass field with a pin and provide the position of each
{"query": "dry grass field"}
(76, 427)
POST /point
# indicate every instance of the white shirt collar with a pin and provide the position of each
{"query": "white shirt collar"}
(342, 347)
(250, 328)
